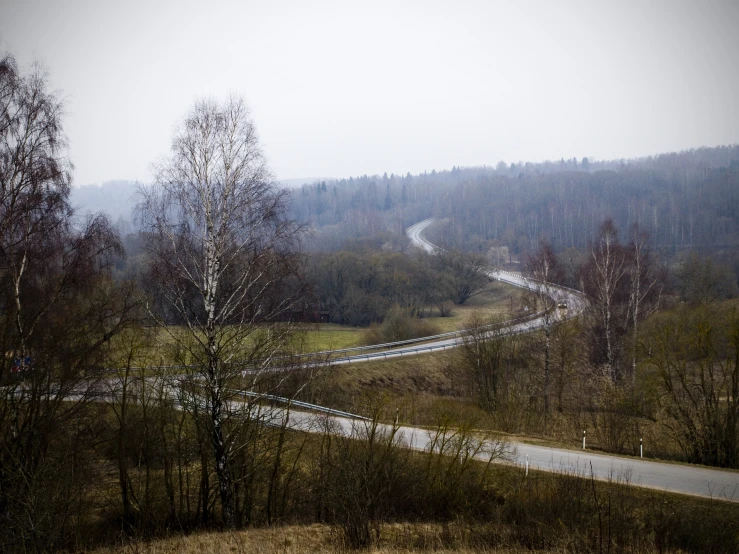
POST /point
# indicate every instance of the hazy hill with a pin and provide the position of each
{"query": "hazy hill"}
(116, 198)
(685, 200)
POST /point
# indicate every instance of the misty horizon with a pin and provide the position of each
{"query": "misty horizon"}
(396, 87)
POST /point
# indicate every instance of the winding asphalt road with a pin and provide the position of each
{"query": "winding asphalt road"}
(414, 234)
(572, 299)
(678, 478)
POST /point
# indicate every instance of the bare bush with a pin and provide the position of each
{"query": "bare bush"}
(399, 324)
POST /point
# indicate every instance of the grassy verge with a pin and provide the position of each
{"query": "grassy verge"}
(321, 539)
(496, 300)
(547, 513)
(419, 388)
(330, 336)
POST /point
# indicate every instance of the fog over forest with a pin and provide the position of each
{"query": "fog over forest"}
(686, 200)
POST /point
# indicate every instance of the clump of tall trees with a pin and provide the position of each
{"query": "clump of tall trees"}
(360, 287)
(649, 355)
(58, 309)
(624, 283)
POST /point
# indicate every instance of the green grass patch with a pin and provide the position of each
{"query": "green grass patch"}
(499, 300)
(329, 336)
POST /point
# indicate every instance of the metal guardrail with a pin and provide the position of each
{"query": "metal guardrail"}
(429, 348)
(306, 359)
(449, 334)
(521, 276)
(301, 404)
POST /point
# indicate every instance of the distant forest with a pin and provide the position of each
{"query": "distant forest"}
(686, 200)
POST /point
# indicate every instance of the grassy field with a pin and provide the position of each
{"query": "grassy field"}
(321, 539)
(157, 346)
(425, 387)
(329, 336)
(546, 513)
(496, 300)
(419, 387)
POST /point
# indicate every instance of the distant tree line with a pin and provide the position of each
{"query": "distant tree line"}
(684, 200)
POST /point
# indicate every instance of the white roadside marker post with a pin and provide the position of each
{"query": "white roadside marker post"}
(527, 465)
(641, 448)
(583, 439)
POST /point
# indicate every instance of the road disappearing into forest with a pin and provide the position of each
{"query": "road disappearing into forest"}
(573, 300)
(678, 478)
(414, 234)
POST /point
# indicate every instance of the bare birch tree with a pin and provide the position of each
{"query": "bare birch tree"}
(603, 279)
(644, 289)
(544, 269)
(223, 253)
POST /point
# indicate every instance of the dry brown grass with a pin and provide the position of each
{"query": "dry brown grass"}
(412, 374)
(415, 384)
(423, 386)
(323, 539)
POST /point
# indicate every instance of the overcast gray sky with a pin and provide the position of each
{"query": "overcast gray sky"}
(346, 88)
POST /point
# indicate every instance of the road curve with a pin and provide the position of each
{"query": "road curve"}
(676, 478)
(572, 299)
(414, 234)
(679, 478)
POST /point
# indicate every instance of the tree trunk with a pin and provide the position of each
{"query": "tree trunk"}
(547, 333)
(204, 509)
(272, 491)
(225, 484)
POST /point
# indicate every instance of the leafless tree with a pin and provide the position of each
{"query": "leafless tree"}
(465, 270)
(544, 269)
(224, 259)
(696, 354)
(34, 181)
(644, 290)
(485, 355)
(603, 279)
(58, 306)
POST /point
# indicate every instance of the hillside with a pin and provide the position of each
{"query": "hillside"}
(684, 200)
